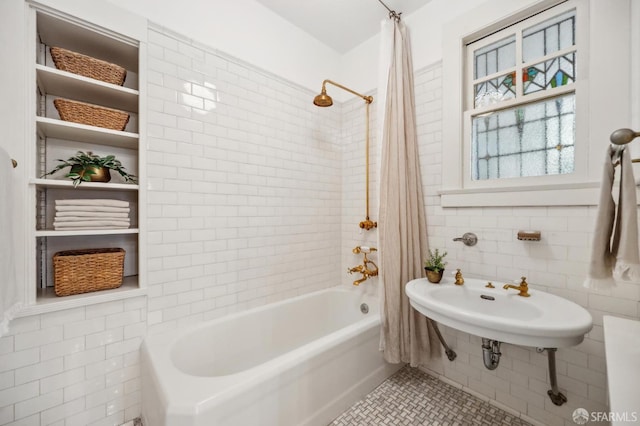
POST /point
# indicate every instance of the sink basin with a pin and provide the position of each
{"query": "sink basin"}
(542, 320)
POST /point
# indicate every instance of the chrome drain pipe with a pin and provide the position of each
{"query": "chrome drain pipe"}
(490, 353)
(447, 350)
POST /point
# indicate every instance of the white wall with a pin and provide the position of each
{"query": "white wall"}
(249, 31)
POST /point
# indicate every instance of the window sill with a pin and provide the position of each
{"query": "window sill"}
(576, 194)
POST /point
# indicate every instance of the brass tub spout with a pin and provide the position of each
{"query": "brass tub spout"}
(364, 268)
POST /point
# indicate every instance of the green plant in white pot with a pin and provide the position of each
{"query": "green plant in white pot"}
(434, 265)
(88, 167)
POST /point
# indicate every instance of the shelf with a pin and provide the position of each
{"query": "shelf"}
(47, 301)
(68, 184)
(52, 128)
(54, 31)
(83, 232)
(68, 85)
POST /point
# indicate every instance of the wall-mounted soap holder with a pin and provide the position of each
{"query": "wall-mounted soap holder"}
(529, 235)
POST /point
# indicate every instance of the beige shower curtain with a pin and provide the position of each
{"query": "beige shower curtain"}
(406, 335)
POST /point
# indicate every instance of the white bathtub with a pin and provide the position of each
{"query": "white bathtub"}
(299, 362)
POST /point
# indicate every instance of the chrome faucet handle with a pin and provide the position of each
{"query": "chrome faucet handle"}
(468, 238)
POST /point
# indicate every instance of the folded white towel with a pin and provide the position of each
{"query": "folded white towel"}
(79, 213)
(92, 223)
(93, 202)
(72, 219)
(618, 255)
(80, 228)
(92, 209)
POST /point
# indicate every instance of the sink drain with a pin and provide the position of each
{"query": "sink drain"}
(364, 308)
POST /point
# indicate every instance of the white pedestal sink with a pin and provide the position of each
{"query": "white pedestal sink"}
(542, 320)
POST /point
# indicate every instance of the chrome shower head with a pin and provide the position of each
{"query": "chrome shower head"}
(323, 100)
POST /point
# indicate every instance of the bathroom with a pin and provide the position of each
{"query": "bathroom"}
(253, 195)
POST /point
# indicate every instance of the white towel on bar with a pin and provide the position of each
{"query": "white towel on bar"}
(92, 209)
(80, 213)
(625, 237)
(93, 202)
(614, 251)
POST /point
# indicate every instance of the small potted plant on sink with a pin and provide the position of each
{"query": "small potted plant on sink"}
(88, 167)
(434, 265)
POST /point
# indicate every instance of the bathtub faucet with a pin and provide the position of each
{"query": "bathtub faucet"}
(364, 268)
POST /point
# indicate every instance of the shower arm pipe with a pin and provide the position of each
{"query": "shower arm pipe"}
(367, 99)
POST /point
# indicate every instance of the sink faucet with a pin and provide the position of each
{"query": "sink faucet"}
(523, 287)
(364, 268)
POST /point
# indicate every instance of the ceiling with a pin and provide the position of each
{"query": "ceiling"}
(340, 24)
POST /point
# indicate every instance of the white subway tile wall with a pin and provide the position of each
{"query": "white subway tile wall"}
(245, 175)
(255, 195)
(73, 367)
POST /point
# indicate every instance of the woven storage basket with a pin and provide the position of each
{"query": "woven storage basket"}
(93, 115)
(87, 66)
(82, 271)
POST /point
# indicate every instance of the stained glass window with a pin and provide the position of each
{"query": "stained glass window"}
(530, 140)
(512, 135)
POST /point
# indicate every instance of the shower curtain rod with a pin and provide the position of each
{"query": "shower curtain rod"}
(392, 13)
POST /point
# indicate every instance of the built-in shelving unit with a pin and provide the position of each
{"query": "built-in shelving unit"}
(55, 139)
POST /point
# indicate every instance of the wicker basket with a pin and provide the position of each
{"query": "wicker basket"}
(92, 115)
(83, 271)
(87, 66)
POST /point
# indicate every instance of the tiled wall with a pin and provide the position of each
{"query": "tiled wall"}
(73, 367)
(245, 176)
(556, 264)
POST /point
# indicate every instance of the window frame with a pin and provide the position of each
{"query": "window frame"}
(579, 187)
(520, 100)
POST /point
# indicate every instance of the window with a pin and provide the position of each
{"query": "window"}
(521, 100)
(540, 86)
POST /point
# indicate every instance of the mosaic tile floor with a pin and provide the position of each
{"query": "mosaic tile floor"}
(411, 397)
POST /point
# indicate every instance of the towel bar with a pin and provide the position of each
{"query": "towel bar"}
(623, 136)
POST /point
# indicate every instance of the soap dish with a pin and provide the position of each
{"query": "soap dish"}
(529, 235)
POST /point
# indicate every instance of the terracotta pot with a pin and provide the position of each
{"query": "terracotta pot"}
(434, 276)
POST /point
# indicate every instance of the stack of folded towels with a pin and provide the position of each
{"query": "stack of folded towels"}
(91, 214)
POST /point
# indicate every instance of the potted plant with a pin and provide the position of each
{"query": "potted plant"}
(88, 167)
(435, 266)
